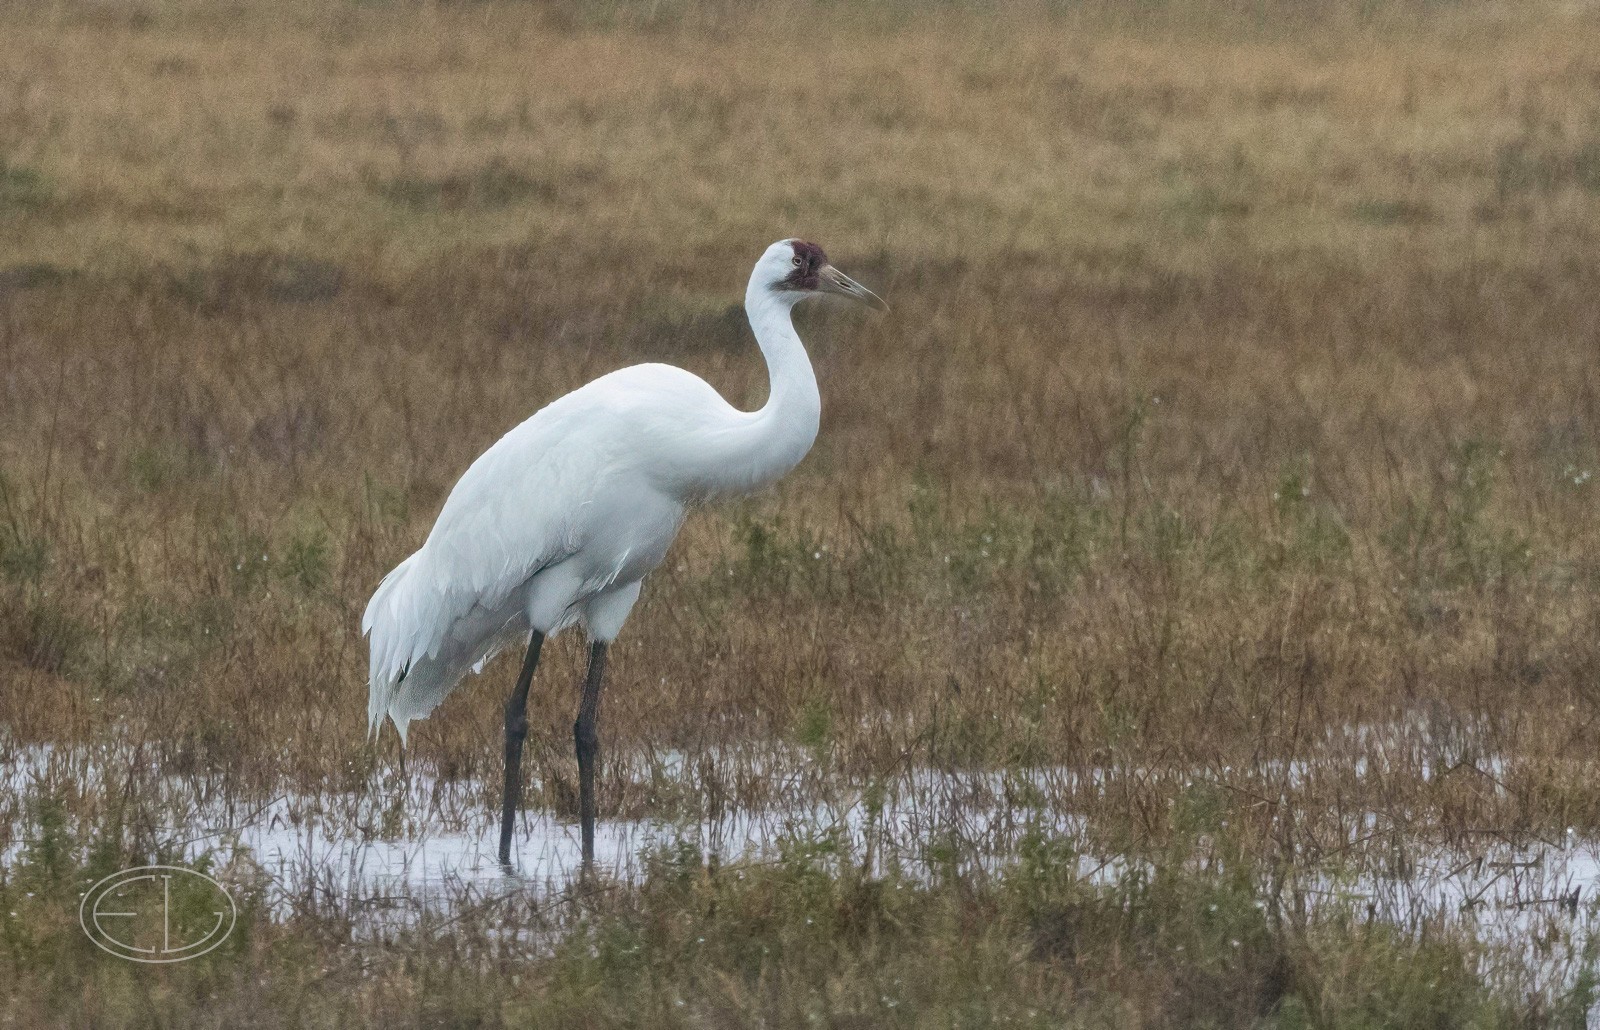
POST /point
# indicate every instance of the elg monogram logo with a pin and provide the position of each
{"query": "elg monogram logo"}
(157, 914)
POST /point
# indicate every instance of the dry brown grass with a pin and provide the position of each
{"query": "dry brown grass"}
(1241, 387)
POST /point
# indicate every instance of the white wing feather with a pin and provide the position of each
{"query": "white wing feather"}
(455, 602)
(524, 506)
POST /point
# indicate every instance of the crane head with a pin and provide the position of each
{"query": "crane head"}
(800, 270)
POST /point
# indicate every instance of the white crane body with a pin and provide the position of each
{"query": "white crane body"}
(555, 524)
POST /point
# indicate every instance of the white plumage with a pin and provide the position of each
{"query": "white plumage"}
(560, 520)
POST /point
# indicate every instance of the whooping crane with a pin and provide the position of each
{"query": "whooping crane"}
(561, 519)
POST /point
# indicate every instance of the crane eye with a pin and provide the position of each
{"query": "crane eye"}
(796, 260)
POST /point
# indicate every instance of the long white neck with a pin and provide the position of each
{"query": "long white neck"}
(754, 448)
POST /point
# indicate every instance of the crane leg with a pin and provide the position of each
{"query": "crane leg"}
(586, 734)
(516, 733)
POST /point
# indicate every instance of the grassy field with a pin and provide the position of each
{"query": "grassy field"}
(1220, 491)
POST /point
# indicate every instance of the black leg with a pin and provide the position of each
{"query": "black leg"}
(516, 733)
(586, 734)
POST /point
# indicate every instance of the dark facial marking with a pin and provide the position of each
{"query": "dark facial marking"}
(809, 259)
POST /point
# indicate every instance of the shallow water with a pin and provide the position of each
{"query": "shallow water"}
(424, 849)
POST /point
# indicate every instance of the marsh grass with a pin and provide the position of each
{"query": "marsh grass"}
(1229, 451)
(812, 933)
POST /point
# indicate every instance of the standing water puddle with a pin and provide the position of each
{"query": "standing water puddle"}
(427, 851)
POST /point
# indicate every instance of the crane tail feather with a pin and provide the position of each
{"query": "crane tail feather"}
(423, 640)
(405, 622)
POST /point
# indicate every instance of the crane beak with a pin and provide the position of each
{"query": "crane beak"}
(831, 280)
